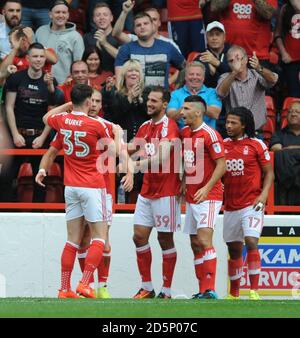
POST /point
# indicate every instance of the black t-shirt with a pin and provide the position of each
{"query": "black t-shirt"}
(285, 137)
(37, 3)
(107, 61)
(32, 99)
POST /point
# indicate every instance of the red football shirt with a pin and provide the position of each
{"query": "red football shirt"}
(80, 135)
(201, 147)
(58, 144)
(292, 38)
(160, 183)
(246, 28)
(22, 63)
(181, 10)
(242, 181)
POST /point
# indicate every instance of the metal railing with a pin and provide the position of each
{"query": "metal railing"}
(271, 208)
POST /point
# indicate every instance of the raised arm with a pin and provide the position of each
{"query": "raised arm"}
(117, 31)
(265, 10)
(219, 5)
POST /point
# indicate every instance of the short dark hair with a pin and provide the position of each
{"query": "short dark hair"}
(246, 118)
(101, 5)
(142, 15)
(91, 50)
(35, 45)
(80, 93)
(77, 61)
(20, 34)
(59, 2)
(165, 93)
(196, 99)
(6, 1)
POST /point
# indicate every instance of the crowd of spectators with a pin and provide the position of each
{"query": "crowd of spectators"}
(231, 54)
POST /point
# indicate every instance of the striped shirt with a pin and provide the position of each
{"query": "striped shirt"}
(249, 93)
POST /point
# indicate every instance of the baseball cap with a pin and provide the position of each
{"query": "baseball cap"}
(215, 24)
(58, 2)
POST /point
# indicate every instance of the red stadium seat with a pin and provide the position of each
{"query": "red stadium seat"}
(287, 102)
(192, 56)
(268, 130)
(271, 111)
(25, 183)
(54, 185)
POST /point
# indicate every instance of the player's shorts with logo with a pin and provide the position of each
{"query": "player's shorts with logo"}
(202, 215)
(87, 202)
(162, 213)
(242, 223)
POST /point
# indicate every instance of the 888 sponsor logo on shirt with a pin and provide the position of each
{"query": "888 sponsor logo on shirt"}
(242, 11)
(235, 167)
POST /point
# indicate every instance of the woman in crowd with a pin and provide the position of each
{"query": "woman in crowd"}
(97, 76)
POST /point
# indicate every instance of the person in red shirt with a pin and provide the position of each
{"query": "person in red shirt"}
(85, 192)
(79, 75)
(249, 176)
(158, 204)
(187, 25)
(204, 165)
(20, 38)
(248, 24)
(46, 162)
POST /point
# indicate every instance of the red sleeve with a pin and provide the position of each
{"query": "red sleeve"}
(172, 132)
(263, 154)
(273, 3)
(57, 142)
(54, 120)
(215, 146)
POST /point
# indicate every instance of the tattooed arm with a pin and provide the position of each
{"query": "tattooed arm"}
(264, 9)
(218, 5)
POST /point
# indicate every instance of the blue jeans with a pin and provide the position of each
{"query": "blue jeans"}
(35, 18)
(189, 36)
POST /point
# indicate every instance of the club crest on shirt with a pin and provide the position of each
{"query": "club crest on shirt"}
(164, 132)
(267, 155)
(246, 150)
(217, 147)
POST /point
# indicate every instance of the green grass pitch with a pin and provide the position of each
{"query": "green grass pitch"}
(148, 308)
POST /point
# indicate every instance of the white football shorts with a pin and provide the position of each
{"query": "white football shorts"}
(87, 202)
(242, 223)
(162, 213)
(202, 215)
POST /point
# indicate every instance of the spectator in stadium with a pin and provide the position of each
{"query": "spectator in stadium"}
(157, 205)
(21, 38)
(286, 145)
(203, 190)
(214, 58)
(125, 104)
(248, 24)
(35, 13)
(79, 75)
(245, 87)
(215, 61)
(187, 25)
(102, 37)
(85, 192)
(12, 11)
(287, 38)
(62, 37)
(247, 182)
(194, 85)
(29, 93)
(152, 12)
(97, 76)
(154, 55)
